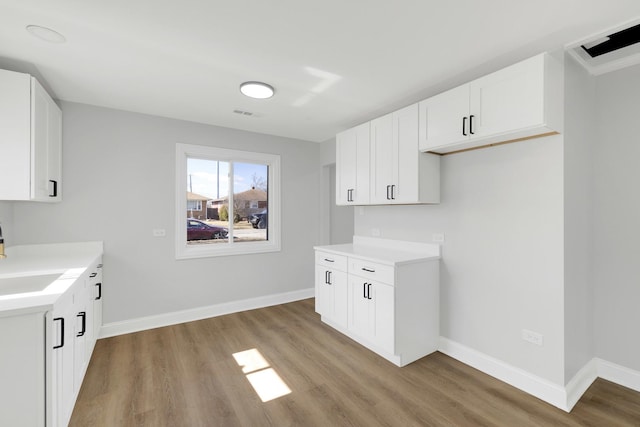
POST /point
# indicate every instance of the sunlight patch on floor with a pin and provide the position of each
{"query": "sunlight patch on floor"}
(264, 379)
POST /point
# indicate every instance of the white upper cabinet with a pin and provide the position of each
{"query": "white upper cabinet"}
(400, 174)
(352, 166)
(382, 159)
(520, 101)
(30, 140)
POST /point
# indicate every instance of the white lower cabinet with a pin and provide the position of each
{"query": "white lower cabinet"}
(390, 298)
(46, 351)
(371, 313)
(331, 287)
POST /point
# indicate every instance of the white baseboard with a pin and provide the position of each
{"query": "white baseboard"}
(580, 382)
(539, 387)
(561, 397)
(151, 322)
(619, 374)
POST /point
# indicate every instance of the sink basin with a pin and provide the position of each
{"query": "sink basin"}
(24, 284)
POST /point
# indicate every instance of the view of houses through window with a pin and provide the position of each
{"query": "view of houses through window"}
(223, 210)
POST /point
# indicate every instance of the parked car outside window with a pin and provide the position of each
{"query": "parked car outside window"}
(198, 230)
(259, 220)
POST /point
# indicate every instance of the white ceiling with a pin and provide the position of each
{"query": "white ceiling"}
(334, 63)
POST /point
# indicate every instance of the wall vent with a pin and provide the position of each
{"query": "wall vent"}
(610, 50)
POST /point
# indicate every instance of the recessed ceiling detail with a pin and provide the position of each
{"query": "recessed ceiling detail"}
(613, 42)
(46, 34)
(610, 50)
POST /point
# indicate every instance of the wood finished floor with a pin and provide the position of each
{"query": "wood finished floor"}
(186, 375)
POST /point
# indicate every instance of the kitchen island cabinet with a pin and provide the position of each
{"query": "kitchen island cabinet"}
(392, 296)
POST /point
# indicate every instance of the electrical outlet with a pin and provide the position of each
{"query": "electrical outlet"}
(437, 237)
(532, 337)
(159, 232)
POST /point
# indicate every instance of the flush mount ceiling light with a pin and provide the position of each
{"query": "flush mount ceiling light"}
(46, 34)
(257, 90)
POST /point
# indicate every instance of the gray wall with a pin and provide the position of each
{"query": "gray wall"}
(118, 175)
(579, 142)
(502, 260)
(616, 217)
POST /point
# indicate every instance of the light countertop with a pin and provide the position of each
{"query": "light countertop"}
(34, 276)
(385, 251)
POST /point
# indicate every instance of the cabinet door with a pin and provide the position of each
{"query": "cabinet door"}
(384, 317)
(361, 319)
(22, 369)
(509, 99)
(332, 295)
(79, 332)
(45, 144)
(383, 153)
(15, 135)
(62, 355)
(54, 153)
(443, 119)
(405, 186)
(97, 304)
(371, 314)
(352, 166)
(324, 293)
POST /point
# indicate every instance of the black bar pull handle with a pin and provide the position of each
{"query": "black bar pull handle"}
(99, 285)
(326, 277)
(82, 314)
(92, 275)
(329, 275)
(364, 290)
(368, 290)
(464, 126)
(55, 188)
(471, 124)
(388, 188)
(61, 319)
(393, 192)
(328, 260)
(368, 270)
(99, 266)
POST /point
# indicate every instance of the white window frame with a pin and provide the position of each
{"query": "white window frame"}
(185, 251)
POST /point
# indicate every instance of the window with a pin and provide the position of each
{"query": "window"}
(194, 205)
(235, 184)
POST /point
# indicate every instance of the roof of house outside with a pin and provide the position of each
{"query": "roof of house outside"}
(253, 194)
(195, 196)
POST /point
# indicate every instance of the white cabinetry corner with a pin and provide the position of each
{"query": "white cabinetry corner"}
(387, 296)
(31, 140)
(520, 101)
(379, 163)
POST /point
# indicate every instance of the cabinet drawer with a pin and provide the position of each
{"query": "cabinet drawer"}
(372, 270)
(329, 260)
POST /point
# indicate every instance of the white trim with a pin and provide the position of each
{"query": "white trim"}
(561, 397)
(160, 320)
(539, 387)
(580, 382)
(185, 251)
(619, 374)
